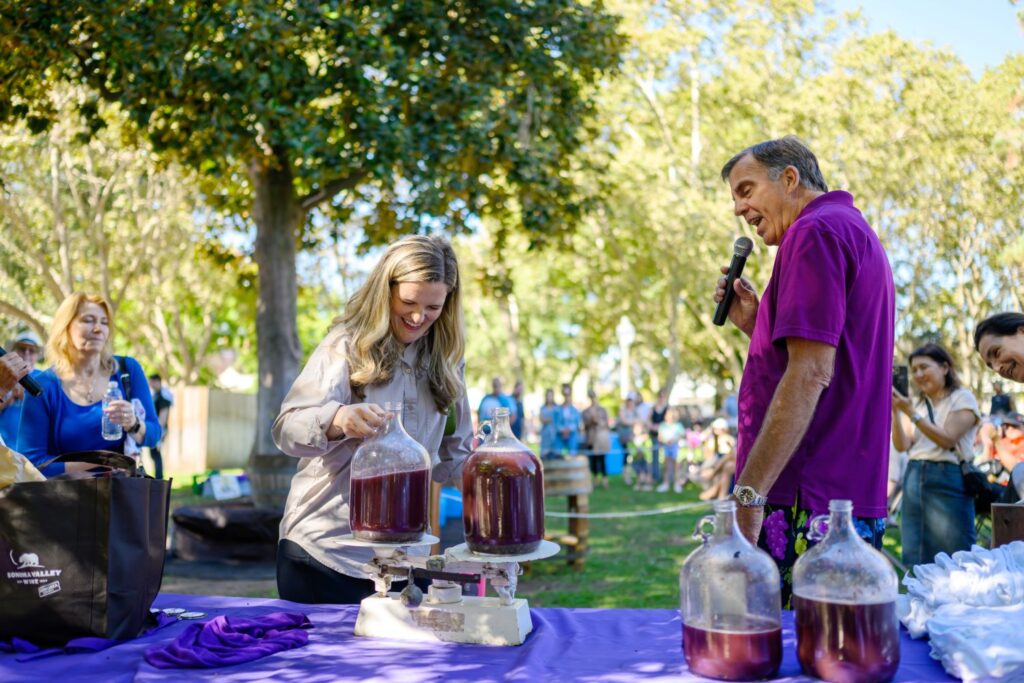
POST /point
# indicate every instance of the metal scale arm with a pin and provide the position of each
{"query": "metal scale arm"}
(389, 563)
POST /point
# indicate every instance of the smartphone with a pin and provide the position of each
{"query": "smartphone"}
(900, 380)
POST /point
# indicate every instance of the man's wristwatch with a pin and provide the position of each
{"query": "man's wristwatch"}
(747, 497)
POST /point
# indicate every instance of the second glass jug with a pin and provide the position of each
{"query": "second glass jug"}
(503, 494)
(844, 595)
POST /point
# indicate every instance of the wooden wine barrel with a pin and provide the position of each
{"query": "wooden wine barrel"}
(1007, 524)
(567, 477)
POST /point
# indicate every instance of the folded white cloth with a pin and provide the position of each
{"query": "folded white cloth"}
(979, 643)
(971, 605)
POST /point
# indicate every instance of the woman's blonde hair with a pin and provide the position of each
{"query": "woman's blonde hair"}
(59, 350)
(373, 350)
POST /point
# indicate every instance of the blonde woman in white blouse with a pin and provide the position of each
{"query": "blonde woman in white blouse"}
(401, 338)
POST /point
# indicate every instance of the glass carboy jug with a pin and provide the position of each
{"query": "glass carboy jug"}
(730, 603)
(503, 493)
(844, 595)
(389, 486)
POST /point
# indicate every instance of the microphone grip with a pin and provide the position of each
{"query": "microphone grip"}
(735, 270)
(31, 386)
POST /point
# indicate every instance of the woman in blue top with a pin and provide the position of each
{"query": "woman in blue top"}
(67, 416)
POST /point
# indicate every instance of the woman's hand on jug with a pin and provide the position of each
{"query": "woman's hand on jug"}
(358, 420)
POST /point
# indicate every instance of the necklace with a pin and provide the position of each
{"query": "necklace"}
(88, 393)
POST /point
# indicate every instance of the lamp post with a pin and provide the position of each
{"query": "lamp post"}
(627, 335)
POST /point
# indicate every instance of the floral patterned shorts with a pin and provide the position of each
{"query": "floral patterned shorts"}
(784, 537)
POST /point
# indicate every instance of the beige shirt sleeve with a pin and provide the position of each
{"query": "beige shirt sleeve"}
(455, 448)
(307, 411)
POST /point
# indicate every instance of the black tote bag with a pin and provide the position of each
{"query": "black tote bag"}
(81, 557)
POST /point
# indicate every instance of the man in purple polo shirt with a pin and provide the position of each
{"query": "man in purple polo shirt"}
(815, 400)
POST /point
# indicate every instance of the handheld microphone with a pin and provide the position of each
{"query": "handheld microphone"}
(740, 251)
(31, 386)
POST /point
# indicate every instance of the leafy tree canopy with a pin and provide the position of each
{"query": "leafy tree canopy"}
(465, 103)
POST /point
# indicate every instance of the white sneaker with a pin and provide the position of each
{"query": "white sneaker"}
(662, 488)
(678, 488)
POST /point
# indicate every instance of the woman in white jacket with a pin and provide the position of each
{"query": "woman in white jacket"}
(401, 338)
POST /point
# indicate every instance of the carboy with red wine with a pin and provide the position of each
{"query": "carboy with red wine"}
(503, 493)
(730, 603)
(844, 596)
(389, 486)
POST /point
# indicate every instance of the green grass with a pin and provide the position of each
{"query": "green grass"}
(633, 561)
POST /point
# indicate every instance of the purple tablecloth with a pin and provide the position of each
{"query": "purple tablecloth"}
(566, 644)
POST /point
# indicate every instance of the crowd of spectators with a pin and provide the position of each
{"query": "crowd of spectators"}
(664, 447)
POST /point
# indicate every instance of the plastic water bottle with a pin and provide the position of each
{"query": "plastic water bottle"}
(111, 431)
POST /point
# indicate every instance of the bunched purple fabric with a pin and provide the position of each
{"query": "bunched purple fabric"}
(223, 641)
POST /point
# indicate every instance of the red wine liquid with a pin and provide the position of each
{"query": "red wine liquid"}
(732, 655)
(847, 643)
(390, 508)
(503, 502)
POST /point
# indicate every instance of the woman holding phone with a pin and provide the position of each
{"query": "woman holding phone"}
(937, 514)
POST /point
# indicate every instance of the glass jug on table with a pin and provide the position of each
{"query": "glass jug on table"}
(844, 595)
(730, 602)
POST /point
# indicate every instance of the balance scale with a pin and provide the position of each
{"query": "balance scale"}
(444, 613)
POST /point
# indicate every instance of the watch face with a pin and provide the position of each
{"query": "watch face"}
(744, 494)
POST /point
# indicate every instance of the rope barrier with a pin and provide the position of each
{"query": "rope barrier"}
(613, 515)
(632, 513)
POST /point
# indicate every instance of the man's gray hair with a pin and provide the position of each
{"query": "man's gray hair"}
(776, 155)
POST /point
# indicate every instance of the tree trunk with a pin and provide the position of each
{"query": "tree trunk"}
(278, 215)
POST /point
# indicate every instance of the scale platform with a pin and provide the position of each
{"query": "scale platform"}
(462, 553)
(349, 539)
(447, 615)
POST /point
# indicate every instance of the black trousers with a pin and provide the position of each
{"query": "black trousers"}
(301, 578)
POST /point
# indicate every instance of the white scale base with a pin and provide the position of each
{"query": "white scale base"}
(447, 615)
(483, 620)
